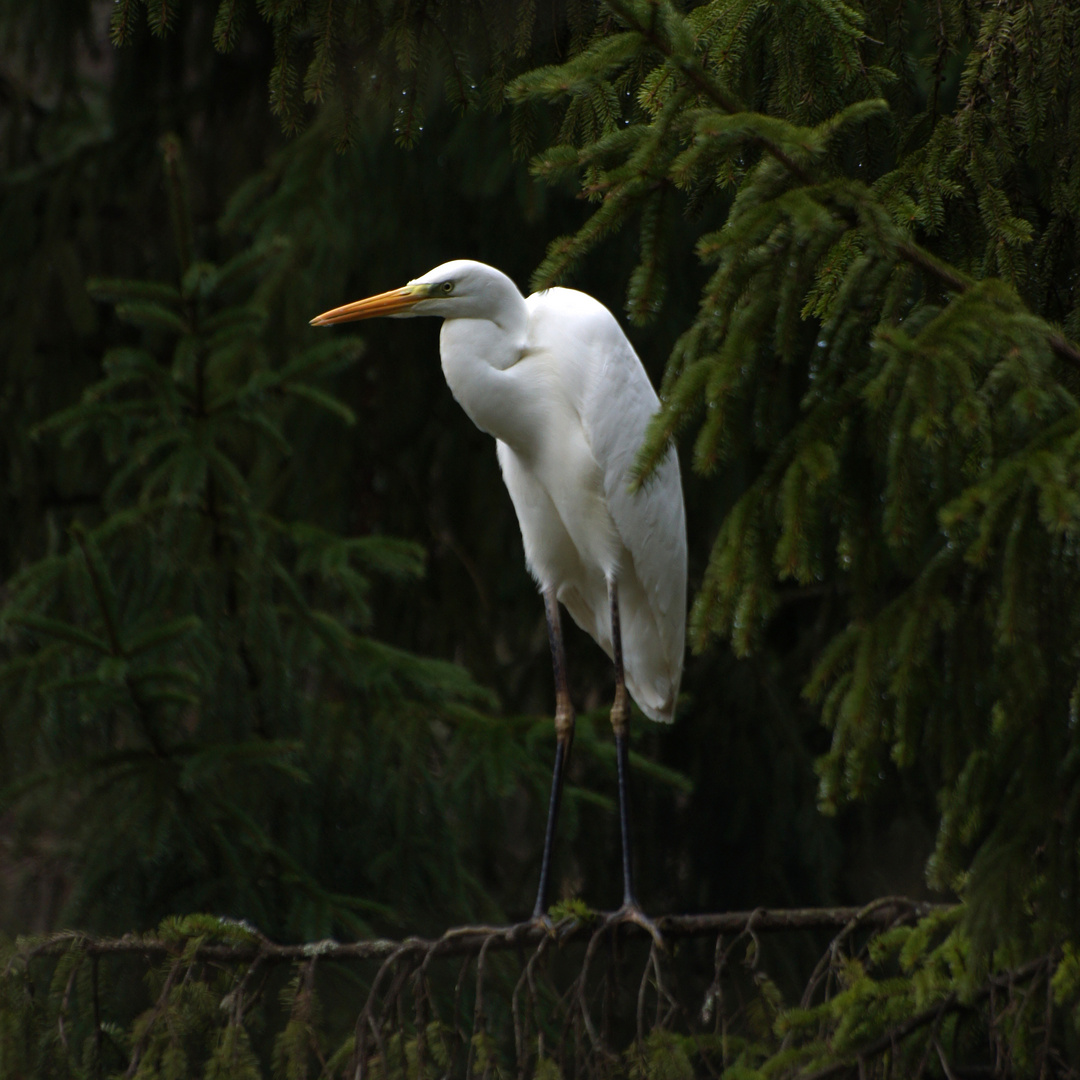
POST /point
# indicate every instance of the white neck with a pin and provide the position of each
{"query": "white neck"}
(478, 356)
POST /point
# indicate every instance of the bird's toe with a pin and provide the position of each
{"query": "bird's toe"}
(632, 913)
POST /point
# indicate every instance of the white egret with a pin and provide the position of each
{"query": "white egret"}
(554, 379)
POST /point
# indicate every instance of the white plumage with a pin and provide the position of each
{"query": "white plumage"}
(555, 381)
(580, 524)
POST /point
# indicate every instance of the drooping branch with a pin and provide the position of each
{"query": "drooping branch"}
(932, 1015)
(588, 993)
(951, 279)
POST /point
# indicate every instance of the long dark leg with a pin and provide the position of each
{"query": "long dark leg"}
(564, 739)
(620, 722)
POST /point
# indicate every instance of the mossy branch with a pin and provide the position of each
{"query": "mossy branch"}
(469, 940)
(204, 992)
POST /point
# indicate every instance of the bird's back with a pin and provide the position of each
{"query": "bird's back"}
(609, 400)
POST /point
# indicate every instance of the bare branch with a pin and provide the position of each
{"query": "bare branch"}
(469, 940)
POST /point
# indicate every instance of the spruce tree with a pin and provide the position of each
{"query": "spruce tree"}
(187, 668)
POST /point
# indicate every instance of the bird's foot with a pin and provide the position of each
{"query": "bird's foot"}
(542, 920)
(555, 928)
(563, 918)
(631, 912)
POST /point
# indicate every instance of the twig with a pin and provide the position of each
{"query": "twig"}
(662, 991)
(530, 968)
(235, 998)
(363, 1020)
(642, 987)
(583, 987)
(478, 1009)
(384, 1057)
(395, 997)
(949, 1074)
(64, 1002)
(930, 1043)
(159, 1007)
(520, 1029)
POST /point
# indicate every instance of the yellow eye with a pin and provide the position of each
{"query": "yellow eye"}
(448, 287)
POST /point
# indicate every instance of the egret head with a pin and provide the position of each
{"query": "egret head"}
(458, 289)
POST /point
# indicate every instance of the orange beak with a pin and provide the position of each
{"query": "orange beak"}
(388, 303)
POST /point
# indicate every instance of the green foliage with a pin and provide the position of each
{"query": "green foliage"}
(907, 433)
(574, 908)
(187, 668)
(663, 1056)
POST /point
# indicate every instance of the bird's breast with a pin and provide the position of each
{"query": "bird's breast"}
(483, 370)
(558, 492)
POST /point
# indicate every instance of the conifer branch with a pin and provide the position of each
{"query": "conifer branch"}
(102, 590)
(933, 1015)
(955, 281)
(699, 79)
(952, 279)
(470, 940)
(836, 1028)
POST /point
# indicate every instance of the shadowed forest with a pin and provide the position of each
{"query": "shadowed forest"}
(273, 671)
